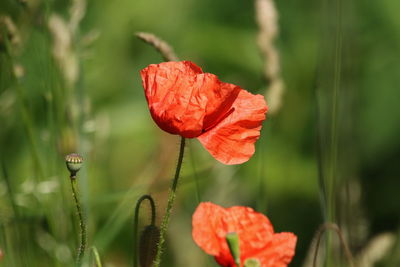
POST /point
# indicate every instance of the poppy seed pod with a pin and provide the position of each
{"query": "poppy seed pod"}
(148, 245)
(74, 163)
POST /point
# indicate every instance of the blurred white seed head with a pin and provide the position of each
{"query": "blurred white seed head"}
(376, 249)
(62, 49)
(77, 12)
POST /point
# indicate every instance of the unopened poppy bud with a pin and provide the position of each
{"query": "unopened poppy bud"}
(148, 245)
(233, 243)
(74, 163)
(252, 263)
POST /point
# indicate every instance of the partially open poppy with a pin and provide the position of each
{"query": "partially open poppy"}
(225, 118)
(257, 240)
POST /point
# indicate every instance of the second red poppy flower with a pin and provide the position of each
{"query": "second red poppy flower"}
(257, 238)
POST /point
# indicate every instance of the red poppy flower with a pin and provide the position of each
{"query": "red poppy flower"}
(257, 240)
(185, 101)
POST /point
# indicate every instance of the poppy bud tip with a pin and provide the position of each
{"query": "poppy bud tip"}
(232, 239)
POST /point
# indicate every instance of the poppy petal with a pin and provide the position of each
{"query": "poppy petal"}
(278, 252)
(183, 100)
(207, 223)
(253, 228)
(232, 140)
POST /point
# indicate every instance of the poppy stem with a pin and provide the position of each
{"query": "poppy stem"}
(82, 224)
(171, 198)
(136, 223)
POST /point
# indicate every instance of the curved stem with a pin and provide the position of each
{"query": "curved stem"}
(171, 198)
(335, 227)
(82, 225)
(96, 257)
(136, 223)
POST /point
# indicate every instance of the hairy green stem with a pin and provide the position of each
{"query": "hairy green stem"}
(171, 198)
(136, 223)
(82, 225)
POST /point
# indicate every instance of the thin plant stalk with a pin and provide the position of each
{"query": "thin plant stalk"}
(328, 144)
(334, 130)
(136, 223)
(171, 198)
(262, 199)
(195, 176)
(82, 225)
(10, 190)
(96, 256)
(334, 227)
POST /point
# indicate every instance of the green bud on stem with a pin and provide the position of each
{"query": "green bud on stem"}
(233, 243)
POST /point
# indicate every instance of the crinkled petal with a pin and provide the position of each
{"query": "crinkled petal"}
(278, 252)
(231, 141)
(253, 228)
(207, 228)
(183, 100)
(220, 103)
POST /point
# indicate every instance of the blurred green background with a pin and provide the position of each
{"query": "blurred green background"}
(69, 82)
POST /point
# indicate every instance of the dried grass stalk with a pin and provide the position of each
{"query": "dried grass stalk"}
(267, 20)
(162, 47)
